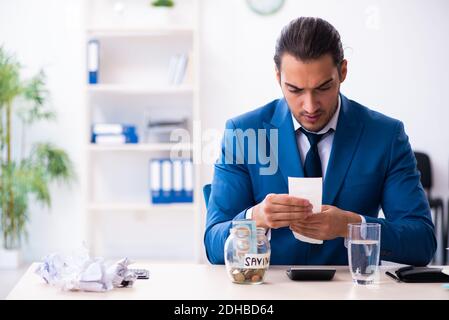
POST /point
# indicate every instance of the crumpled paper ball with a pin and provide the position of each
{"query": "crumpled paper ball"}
(79, 272)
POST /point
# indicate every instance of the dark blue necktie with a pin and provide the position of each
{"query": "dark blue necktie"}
(312, 164)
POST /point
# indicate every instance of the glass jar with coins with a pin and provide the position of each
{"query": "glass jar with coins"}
(247, 253)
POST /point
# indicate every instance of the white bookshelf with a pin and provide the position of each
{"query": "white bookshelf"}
(140, 147)
(136, 89)
(140, 207)
(135, 53)
(149, 32)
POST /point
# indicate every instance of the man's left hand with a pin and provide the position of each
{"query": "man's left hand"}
(331, 223)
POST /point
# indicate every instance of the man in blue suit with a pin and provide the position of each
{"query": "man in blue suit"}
(363, 156)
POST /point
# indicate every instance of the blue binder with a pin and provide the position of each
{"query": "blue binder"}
(167, 181)
(178, 193)
(155, 181)
(171, 181)
(188, 180)
(93, 60)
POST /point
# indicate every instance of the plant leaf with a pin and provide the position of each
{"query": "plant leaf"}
(9, 78)
(54, 161)
(34, 94)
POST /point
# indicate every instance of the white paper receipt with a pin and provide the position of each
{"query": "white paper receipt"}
(312, 190)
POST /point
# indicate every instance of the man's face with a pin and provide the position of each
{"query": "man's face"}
(311, 89)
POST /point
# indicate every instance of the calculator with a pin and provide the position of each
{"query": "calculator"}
(141, 273)
(310, 274)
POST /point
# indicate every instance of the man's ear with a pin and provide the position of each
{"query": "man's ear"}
(343, 70)
(278, 75)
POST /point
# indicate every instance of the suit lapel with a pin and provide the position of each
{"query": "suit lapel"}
(346, 139)
(289, 162)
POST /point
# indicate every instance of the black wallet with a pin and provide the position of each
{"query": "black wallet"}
(421, 274)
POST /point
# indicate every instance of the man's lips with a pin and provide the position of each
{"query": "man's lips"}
(313, 117)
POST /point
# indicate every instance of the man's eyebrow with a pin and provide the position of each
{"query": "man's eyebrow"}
(321, 85)
(294, 87)
(324, 83)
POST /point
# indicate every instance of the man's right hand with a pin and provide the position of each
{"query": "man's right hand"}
(280, 210)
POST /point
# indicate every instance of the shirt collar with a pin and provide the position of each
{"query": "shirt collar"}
(332, 124)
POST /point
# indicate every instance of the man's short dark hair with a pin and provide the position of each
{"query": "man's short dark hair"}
(308, 38)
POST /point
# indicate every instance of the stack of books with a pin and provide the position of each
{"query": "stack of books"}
(113, 133)
(171, 181)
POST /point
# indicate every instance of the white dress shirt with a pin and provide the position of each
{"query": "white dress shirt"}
(324, 147)
(325, 144)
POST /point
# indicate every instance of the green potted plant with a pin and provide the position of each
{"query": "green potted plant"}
(163, 3)
(24, 177)
(161, 13)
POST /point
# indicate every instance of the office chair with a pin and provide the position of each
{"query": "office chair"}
(206, 192)
(425, 168)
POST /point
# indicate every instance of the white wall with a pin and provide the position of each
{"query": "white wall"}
(49, 34)
(398, 61)
(397, 52)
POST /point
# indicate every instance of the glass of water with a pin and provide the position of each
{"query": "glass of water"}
(364, 251)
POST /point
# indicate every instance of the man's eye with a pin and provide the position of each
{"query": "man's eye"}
(295, 90)
(324, 89)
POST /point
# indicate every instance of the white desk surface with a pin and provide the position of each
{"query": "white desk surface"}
(210, 282)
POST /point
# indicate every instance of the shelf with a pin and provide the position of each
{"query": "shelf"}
(145, 33)
(140, 147)
(141, 207)
(132, 89)
(136, 64)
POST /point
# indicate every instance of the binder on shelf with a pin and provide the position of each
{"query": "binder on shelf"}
(93, 60)
(171, 181)
(167, 184)
(188, 180)
(177, 68)
(180, 69)
(178, 194)
(172, 68)
(155, 181)
(188, 76)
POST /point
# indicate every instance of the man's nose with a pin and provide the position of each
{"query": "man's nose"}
(310, 104)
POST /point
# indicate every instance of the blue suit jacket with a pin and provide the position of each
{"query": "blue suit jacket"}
(371, 165)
